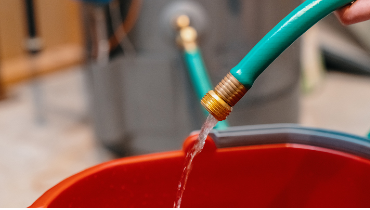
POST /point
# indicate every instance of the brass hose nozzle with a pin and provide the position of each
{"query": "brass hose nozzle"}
(227, 93)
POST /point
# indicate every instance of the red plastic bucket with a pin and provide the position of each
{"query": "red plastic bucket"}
(286, 166)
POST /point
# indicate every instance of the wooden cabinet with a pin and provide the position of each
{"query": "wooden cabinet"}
(60, 28)
(2, 91)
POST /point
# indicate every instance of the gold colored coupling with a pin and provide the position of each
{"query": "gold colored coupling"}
(227, 93)
(187, 35)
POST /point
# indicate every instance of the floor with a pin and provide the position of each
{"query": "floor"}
(35, 155)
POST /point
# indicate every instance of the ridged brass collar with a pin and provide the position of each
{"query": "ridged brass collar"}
(216, 106)
(227, 93)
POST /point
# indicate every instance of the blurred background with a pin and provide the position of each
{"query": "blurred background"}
(84, 82)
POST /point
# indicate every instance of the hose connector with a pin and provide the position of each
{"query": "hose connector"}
(187, 35)
(227, 93)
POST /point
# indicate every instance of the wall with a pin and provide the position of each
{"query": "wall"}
(59, 27)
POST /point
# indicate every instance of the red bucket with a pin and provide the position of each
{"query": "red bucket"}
(250, 166)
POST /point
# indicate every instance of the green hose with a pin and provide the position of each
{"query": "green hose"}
(281, 37)
(200, 78)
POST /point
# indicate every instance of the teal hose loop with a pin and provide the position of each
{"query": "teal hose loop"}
(281, 37)
(197, 72)
(200, 78)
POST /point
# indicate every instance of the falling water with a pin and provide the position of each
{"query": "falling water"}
(197, 148)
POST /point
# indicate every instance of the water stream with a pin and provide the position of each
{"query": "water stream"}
(195, 150)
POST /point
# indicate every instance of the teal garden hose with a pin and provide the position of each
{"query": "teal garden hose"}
(194, 61)
(233, 87)
(200, 78)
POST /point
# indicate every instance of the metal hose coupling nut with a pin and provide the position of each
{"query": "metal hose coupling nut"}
(227, 93)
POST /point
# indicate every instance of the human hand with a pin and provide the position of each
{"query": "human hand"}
(355, 12)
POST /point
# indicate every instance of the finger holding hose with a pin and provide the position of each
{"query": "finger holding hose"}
(355, 12)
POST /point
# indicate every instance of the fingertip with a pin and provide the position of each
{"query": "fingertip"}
(343, 16)
(356, 12)
(346, 21)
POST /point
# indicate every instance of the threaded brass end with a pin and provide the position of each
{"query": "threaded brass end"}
(230, 90)
(216, 106)
(227, 93)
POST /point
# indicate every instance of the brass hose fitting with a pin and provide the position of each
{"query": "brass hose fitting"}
(227, 93)
(187, 35)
